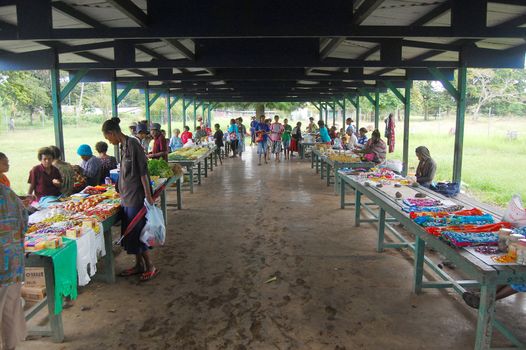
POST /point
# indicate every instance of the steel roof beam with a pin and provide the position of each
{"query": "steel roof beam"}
(428, 17)
(72, 12)
(331, 47)
(365, 10)
(131, 10)
(183, 50)
(359, 32)
(268, 62)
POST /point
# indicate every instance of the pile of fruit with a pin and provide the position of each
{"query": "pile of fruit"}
(343, 158)
(83, 204)
(187, 153)
(94, 190)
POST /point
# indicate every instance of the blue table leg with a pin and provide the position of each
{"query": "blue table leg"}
(419, 264)
(199, 173)
(357, 207)
(190, 169)
(108, 259)
(206, 166)
(328, 174)
(342, 195)
(381, 231)
(179, 196)
(55, 321)
(486, 315)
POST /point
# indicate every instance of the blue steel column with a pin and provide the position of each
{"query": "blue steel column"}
(459, 126)
(185, 106)
(357, 112)
(169, 113)
(147, 104)
(407, 113)
(57, 110)
(343, 114)
(114, 111)
(376, 108)
(195, 113)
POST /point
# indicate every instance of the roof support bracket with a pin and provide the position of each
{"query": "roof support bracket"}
(395, 91)
(125, 92)
(445, 83)
(174, 100)
(72, 83)
(154, 98)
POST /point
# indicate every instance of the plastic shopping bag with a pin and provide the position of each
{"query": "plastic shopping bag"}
(515, 213)
(154, 232)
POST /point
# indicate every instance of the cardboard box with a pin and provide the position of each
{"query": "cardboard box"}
(35, 277)
(33, 293)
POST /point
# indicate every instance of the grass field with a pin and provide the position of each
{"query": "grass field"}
(493, 166)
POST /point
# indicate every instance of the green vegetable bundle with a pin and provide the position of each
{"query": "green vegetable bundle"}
(158, 167)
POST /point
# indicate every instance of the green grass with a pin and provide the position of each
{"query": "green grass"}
(493, 166)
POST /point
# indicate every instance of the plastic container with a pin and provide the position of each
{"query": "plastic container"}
(513, 241)
(114, 176)
(504, 234)
(521, 251)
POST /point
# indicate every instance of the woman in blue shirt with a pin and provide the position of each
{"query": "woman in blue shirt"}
(324, 133)
(175, 141)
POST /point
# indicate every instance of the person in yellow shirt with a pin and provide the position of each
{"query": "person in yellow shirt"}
(4, 168)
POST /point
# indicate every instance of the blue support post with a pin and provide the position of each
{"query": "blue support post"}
(376, 108)
(147, 104)
(169, 113)
(57, 110)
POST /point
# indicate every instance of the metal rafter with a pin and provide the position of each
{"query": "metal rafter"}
(131, 10)
(365, 10)
(72, 12)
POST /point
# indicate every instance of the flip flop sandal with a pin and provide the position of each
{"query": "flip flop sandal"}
(149, 275)
(130, 272)
(471, 299)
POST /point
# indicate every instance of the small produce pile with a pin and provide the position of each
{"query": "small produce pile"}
(71, 218)
(158, 167)
(343, 158)
(187, 153)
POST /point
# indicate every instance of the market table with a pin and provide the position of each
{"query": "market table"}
(328, 168)
(53, 261)
(207, 158)
(57, 264)
(303, 147)
(482, 275)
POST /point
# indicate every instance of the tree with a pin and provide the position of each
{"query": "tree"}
(491, 86)
(25, 91)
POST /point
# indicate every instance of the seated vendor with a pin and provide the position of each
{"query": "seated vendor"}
(375, 149)
(66, 171)
(107, 162)
(199, 133)
(425, 172)
(90, 165)
(44, 179)
(4, 168)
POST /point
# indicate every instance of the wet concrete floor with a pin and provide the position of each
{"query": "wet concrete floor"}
(261, 257)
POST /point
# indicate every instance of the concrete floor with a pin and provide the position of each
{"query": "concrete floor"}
(243, 226)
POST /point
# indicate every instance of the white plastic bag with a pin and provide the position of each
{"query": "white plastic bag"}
(394, 164)
(515, 213)
(154, 232)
